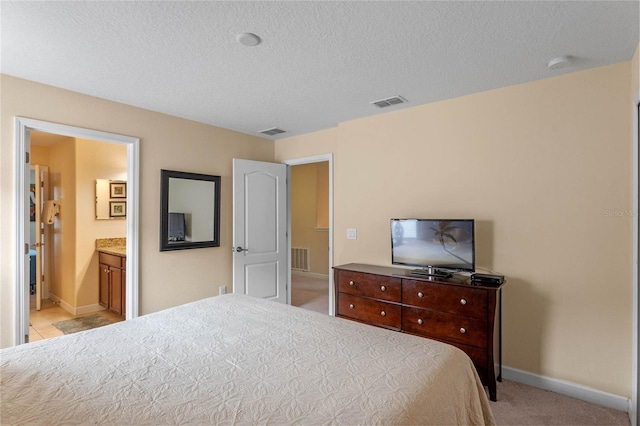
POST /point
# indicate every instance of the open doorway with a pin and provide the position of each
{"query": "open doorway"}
(69, 216)
(310, 233)
(24, 129)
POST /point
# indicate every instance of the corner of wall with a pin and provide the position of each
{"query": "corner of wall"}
(635, 71)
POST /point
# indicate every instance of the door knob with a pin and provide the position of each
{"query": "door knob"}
(240, 249)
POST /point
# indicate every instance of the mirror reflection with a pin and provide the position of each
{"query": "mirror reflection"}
(190, 210)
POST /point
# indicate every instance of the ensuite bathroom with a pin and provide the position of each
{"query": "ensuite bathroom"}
(78, 221)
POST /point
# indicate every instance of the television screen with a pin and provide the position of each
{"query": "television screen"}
(433, 243)
(176, 227)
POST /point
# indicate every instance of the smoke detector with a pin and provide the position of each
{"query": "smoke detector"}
(248, 39)
(559, 62)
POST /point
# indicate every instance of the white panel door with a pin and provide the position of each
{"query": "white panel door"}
(42, 233)
(39, 234)
(24, 294)
(260, 229)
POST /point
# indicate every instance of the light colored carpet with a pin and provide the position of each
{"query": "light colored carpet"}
(87, 322)
(310, 292)
(520, 404)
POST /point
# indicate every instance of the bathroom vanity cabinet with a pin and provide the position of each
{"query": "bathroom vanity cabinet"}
(113, 282)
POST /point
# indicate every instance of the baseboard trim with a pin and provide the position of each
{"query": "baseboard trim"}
(310, 274)
(573, 390)
(89, 309)
(64, 305)
(75, 311)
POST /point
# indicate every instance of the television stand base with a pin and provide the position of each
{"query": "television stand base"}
(431, 272)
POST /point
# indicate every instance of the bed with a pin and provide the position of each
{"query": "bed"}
(235, 359)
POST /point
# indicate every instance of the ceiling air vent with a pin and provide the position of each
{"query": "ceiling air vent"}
(272, 131)
(383, 103)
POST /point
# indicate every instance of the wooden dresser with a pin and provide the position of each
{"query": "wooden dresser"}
(452, 310)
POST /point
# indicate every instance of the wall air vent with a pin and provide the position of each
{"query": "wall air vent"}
(272, 131)
(383, 103)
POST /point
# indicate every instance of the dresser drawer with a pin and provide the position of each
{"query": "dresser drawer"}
(446, 327)
(376, 286)
(445, 298)
(369, 310)
(111, 260)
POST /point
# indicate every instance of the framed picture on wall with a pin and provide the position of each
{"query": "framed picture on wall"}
(118, 189)
(117, 208)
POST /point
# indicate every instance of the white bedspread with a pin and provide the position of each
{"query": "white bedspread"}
(239, 360)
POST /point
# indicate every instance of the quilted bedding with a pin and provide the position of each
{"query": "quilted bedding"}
(236, 359)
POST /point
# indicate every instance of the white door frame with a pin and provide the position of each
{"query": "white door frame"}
(634, 412)
(308, 160)
(23, 127)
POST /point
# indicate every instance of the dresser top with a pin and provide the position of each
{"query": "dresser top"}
(456, 279)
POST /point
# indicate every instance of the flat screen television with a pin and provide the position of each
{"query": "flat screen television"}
(433, 244)
(177, 225)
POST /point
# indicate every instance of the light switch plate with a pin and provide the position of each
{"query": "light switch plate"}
(352, 234)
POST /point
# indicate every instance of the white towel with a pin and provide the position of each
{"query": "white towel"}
(50, 209)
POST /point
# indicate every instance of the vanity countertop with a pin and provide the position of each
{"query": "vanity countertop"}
(118, 251)
(117, 246)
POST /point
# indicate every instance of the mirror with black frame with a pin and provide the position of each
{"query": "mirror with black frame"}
(189, 210)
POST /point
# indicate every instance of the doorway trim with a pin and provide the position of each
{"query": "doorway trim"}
(634, 412)
(307, 160)
(22, 129)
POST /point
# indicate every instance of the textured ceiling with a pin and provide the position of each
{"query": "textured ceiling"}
(320, 63)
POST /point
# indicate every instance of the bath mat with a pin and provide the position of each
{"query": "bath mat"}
(75, 325)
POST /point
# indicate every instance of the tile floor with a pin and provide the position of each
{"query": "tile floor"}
(40, 321)
(310, 292)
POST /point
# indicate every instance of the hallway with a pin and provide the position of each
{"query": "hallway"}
(310, 292)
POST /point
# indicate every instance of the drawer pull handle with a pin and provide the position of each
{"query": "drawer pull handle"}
(463, 330)
(351, 306)
(351, 283)
(463, 301)
(383, 313)
(420, 321)
(420, 294)
(383, 288)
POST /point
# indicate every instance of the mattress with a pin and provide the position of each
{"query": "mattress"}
(235, 359)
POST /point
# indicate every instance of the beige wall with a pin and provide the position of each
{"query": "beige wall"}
(305, 181)
(544, 169)
(322, 195)
(94, 160)
(635, 71)
(62, 182)
(40, 155)
(317, 143)
(166, 278)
